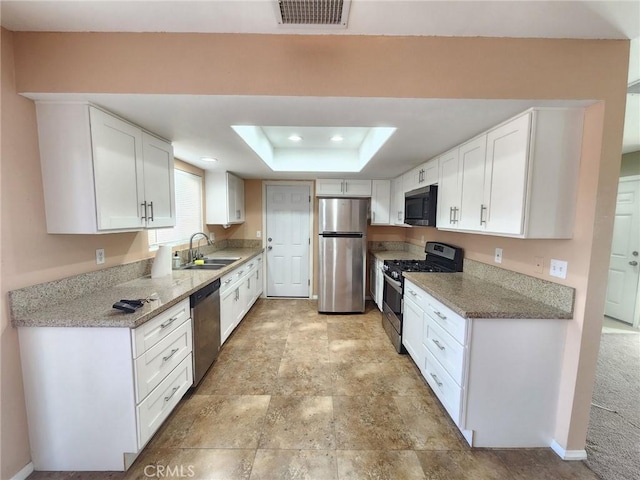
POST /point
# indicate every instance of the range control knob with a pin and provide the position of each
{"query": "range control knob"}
(395, 275)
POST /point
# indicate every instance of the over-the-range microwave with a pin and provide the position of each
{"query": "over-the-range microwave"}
(420, 206)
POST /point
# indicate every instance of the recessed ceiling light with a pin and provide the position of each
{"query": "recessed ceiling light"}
(295, 138)
(208, 159)
(337, 138)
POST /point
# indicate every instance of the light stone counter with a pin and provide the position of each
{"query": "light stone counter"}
(95, 309)
(472, 297)
(397, 255)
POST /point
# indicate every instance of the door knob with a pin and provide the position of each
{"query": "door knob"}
(633, 263)
(634, 253)
(269, 247)
(269, 239)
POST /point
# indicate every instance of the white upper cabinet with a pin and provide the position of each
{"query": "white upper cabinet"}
(332, 187)
(421, 176)
(471, 162)
(397, 204)
(449, 191)
(380, 202)
(224, 198)
(100, 173)
(519, 179)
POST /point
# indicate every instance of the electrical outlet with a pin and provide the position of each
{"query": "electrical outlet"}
(558, 268)
(100, 256)
(421, 238)
(498, 257)
(539, 262)
(212, 237)
(258, 234)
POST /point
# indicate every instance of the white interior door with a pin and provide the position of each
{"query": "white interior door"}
(288, 240)
(624, 269)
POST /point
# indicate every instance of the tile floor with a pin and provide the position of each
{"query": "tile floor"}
(298, 395)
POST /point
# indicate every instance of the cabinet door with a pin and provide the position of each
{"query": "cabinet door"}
(412, 331)
(329, 187)
(471, 162)
(159, 190)
(357, 188)
(380, 202)
(231, 197)
(379, 284)
(410, 179)
(430, 172)
(506, 176)
(118, 172)
(241, 304)
(258, 277)
(449, 191)
(227, 318)
(239, 200)
(397, 210)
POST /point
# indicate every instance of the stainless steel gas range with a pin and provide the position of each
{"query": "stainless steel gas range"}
(440, 257)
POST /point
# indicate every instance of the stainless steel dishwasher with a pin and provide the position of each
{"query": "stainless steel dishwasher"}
(205, 313)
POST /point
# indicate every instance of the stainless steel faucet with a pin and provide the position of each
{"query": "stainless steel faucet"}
(196, 255)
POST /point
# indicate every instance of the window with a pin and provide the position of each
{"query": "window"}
(188, 212)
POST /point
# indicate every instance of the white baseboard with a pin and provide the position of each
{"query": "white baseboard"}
(568, 454)
(24, 473)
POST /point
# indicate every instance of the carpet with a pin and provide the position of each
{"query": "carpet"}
(613, 438)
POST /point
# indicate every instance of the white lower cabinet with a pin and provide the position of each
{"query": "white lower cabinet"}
(96, 395)
(376, 280)
(497, 378)
(239, 290)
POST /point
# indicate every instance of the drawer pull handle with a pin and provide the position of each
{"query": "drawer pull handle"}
(437, 344)
(228, 281)
(173, 392)
(413, 293)
(173, 352)
(435, 378)
(240, 272)
(168, 322)
(443, 317)
(251, 265)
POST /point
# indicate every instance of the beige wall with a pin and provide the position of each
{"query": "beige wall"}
(318, 66)
(630, 164)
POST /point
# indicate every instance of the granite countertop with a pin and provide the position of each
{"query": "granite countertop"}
(396, 255)
(472, 297)
(95, 310)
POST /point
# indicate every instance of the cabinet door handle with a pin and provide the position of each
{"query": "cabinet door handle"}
(151, 207)
(482, 210)
(450, 214)
(435, 378)
(346, 187)
(237, 294)
(437, 344)
(173, 352)
(400, 215)
(373, 217)
(443, 317)
(144, 215)
(455, 214)
(237, 214)
(249, 283)
(168, 322)
(173, 392)
(341, 187)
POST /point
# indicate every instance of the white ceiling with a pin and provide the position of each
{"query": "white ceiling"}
(426, 127)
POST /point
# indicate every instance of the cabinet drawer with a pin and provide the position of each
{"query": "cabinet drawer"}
(231, 279)
(445, 388)
(151, 332)
(157, 362)
(444, 348)
(162, 400)
(416, 294)
(451, 322)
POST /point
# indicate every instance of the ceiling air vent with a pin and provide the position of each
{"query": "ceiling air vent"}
(318, 13)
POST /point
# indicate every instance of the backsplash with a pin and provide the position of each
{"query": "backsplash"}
(549, 293)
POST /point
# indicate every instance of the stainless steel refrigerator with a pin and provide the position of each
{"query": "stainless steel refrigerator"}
(342, 254)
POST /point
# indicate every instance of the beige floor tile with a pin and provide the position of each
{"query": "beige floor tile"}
(369, 423)
(304, 423)
(304, 378)
(195, 463)
(428, 424)
(227, 421)
(357, 350)
(379, 465)
(306, 351)
(462, 465)
(294, 465)
(244, 377)
(542, 464)
(375, 378)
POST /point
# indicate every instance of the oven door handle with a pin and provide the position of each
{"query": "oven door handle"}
(394, 283)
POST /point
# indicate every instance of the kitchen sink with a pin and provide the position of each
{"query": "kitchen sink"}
(220, 261)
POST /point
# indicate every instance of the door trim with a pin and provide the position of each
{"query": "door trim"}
(636, 310)
(312, 251)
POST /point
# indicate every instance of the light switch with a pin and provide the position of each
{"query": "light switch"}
(558, 268)
(100, 256)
